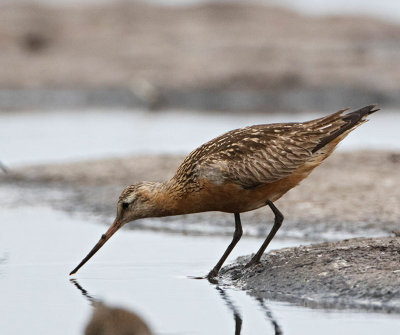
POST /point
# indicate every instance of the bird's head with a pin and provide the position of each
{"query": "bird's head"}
(135, 202)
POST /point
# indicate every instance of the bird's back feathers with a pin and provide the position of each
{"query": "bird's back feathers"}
(266, 153)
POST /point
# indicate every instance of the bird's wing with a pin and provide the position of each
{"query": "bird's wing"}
(264, 154)
(257, 155)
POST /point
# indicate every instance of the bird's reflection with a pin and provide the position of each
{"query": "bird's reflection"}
(270, 317)
(84, 292)
(237, 316)
(118, 321)
(112, 320)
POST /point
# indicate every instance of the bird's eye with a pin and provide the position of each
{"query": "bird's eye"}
(125, 205)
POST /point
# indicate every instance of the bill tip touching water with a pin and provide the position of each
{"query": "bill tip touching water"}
(239, 171)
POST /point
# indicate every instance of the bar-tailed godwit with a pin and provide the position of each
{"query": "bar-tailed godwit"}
(239, 171)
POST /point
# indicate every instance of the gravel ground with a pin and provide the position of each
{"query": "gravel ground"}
(356, 273)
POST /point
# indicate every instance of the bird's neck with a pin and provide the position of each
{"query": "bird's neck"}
(165, 200)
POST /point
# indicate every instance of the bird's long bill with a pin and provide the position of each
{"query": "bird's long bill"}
(104, 238)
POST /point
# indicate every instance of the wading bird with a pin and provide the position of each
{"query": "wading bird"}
(239, 171)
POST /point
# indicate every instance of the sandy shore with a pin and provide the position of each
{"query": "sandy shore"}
(230, 56)
(357, 273)
(351, 194)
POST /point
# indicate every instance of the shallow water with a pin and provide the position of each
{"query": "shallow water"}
(37, 137)
(144, 272)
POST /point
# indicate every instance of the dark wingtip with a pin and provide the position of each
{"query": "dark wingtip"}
(352, 119)
(374, 110)
(356, 116)
(367, 110)
(371, 109)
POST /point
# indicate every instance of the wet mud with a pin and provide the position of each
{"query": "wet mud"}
(356, 273)
(351, 194)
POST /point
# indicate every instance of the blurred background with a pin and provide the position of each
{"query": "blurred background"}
(96, 95)
(199, 55)
(177, 62)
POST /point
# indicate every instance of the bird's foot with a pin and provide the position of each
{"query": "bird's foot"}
(212, 274)
(211, 277)
(252, 262)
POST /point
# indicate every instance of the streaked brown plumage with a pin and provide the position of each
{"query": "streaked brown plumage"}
(239, 171)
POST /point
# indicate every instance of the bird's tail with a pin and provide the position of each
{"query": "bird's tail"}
(338, 125)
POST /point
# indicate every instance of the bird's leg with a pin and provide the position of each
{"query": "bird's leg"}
(236, 237)
(277, 224)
